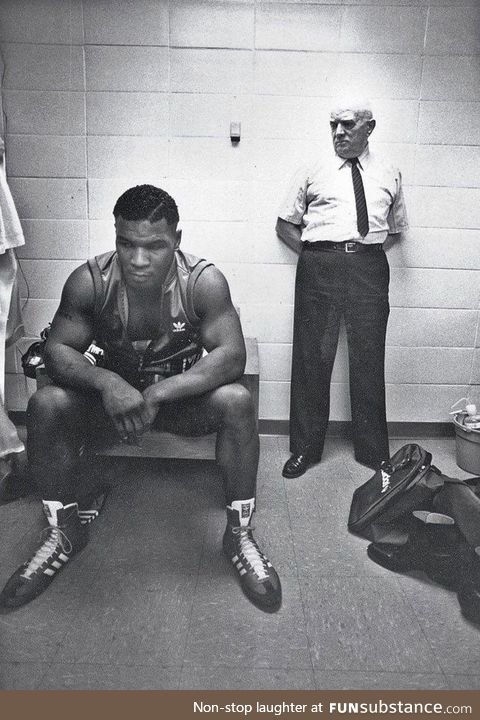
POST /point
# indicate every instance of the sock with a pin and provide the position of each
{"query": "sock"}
(244, 509)
(51, 508)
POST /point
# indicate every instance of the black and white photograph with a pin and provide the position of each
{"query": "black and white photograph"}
(240, 332)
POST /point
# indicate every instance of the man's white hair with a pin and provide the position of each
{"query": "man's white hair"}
(360, 105)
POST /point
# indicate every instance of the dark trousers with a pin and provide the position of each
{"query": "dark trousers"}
(330, 285)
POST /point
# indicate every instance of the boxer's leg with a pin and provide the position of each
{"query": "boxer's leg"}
(58, 425)
(229, 411)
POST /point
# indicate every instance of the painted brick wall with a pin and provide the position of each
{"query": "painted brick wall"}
(101, 94)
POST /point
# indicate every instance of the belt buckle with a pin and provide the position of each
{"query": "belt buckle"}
(350, 246)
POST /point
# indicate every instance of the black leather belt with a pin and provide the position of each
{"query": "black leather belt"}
(347, 247)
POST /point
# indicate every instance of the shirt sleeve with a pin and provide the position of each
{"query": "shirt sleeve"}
(294, 204)
(397, 217)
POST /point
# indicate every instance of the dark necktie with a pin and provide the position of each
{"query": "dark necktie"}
(360, 202)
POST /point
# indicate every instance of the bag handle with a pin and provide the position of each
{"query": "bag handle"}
(407, 459)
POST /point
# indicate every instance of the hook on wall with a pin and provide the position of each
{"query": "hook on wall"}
(235, 132)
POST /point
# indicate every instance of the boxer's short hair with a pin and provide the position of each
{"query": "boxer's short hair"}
(146, 202)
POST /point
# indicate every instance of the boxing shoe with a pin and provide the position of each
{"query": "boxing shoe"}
(65, 536)
(258, 579)
(90, 506)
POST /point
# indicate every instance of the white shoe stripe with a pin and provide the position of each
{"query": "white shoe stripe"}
(63, 558)
(49, 571)
(56, 564)
(243, 571)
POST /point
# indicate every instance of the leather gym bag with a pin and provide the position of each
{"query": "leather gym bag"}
(381, 508)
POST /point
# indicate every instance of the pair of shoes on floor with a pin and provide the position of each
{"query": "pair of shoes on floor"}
(442, 565)
(258, 579)
(65, 535)
(441, 552)
(295, 466)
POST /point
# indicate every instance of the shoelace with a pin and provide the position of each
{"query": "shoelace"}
(57, 537)
(250, 551)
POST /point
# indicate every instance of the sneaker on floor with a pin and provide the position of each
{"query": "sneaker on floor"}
(258, 578)
(64, 537)
(90, 506)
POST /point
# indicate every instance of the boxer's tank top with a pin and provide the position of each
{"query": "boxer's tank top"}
(177, 345)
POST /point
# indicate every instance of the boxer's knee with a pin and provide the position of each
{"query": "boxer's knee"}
(234, 405)
(52, 408)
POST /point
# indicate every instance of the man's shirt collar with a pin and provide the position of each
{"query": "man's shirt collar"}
(362, 159)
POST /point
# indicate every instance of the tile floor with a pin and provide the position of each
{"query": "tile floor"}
(151, 603)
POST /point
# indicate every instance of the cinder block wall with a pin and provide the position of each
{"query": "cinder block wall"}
(101, 94)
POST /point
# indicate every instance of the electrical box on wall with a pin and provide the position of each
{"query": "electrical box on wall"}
(235, 131)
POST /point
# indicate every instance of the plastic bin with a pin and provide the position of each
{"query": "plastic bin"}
(467, 442)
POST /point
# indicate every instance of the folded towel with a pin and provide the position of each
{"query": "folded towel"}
(11, 233)
(9, 441)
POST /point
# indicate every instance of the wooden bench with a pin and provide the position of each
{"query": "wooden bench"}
(166, 445)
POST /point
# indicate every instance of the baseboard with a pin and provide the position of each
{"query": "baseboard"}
(342, 428)
(420, 429)
(336, 428)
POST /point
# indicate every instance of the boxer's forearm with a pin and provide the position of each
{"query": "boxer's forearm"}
(220, 367)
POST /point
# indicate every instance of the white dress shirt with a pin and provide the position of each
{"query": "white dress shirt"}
(321, 199)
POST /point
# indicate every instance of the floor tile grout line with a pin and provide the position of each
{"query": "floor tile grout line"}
(278, 450)
(302, 599)
(60, 644)
(76, 665)
(190, 615)
(311, 669)
(420, 624)
(231, 667)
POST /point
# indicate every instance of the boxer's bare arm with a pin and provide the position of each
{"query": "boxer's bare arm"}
(71, 333)
(221, 336)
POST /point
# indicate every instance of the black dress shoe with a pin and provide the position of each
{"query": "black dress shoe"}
(397, 558)
(295, 466)
(372, 464)
(438, 554)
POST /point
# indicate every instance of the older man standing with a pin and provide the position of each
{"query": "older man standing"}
(337, 214)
